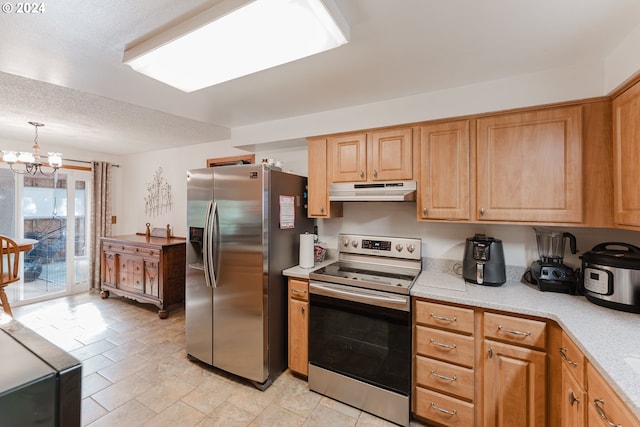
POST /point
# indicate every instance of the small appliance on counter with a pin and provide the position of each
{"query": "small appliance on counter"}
(549, 272)
(611, 276)
(483, 261)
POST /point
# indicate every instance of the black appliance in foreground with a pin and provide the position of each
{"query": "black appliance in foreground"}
(40, 384)
(611, 276)
(360, 325)
(549, 272)
(483, 261)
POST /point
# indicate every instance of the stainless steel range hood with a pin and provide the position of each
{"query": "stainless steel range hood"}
(382, 191)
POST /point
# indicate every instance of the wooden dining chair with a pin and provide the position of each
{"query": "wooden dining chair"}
(8, 269)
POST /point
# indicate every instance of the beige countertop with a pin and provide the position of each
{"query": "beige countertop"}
(610, 339)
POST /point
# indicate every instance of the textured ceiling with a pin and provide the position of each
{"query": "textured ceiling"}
(64, 67)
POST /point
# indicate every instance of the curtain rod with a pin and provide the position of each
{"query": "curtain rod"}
(85, 161)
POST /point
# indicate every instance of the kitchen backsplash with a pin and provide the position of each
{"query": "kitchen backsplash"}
(446, 240)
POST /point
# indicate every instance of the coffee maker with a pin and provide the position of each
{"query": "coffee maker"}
(549, 273)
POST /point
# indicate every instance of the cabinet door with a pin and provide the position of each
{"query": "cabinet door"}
(151, 278)
(299, 336)
(605, 407)
(573, 412)
(390, 155)
(348, 158)
(109, 269)
(529, 166)
(318, 205)
(444, 171)
(626, 156)
(514, 385)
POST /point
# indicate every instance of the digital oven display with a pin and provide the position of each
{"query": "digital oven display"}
(380, 245)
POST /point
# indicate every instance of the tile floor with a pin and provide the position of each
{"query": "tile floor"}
(136, 372)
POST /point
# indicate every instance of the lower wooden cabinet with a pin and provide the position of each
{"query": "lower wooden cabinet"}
(573, 401)
(605, 408)
(149, 270)
(444, 364)
(514, 385)
(299, 326)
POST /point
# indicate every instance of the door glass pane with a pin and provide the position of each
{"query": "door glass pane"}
(81, 247)
(44, 207)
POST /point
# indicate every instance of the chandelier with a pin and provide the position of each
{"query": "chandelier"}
(32, 162)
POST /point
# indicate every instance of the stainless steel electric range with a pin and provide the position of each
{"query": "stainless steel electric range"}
(360, 324)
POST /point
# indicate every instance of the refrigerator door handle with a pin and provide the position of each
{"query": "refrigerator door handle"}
(215, 266)
(207, 250)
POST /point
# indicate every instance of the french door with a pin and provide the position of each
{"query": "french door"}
(54, 210)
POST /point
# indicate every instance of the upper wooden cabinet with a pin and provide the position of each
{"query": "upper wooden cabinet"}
(377, 156)
(443, 150)
(318, 205)
(529, 166)
(626, 157)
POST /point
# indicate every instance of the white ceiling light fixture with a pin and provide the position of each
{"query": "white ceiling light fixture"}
(31, 160)
(238, 37)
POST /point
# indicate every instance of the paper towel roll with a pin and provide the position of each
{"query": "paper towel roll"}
(306, 250)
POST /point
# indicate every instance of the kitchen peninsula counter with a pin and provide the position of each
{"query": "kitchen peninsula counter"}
(610, 339)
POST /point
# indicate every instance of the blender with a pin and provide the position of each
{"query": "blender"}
(549, 273)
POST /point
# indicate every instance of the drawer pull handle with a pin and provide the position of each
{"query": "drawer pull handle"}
(444, 319)
(298, 291)
(444, 411)
(511, 331)
(601, 412)
(565, 358)
(439, 344)
(573, 399)
(442, 377)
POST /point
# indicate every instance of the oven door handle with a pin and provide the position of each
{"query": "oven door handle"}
(358, 296)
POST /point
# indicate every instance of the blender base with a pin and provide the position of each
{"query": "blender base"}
(553, 277)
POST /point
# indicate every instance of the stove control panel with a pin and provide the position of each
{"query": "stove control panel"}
(397, 247)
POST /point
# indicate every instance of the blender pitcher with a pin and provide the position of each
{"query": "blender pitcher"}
(551, 244)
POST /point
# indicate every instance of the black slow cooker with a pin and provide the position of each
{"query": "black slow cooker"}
(611, 276)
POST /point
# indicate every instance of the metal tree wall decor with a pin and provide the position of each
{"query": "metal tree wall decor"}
(159, 198)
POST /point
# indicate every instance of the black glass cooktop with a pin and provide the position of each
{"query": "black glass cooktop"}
(393, 279)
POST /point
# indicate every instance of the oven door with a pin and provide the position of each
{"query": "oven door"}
(362, 334)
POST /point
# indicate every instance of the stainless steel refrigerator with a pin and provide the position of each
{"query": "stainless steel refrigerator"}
(244, 223)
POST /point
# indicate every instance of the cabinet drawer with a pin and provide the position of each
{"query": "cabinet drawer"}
(572, 358)
(445, 316)
(299, 289)
(611, 406)
(443, 409)
(133, 250)
(445, 377)
(515, 330)
(447, 346)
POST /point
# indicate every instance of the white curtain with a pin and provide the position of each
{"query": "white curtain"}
(100, 218)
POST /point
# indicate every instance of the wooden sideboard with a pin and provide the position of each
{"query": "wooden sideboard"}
(146, 269)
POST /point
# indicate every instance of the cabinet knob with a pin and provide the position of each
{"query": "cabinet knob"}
(481, 211)
(322, 210)
(490, 353)
(375, 173)
(424, 211)
(361, 174)
(302, 309)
